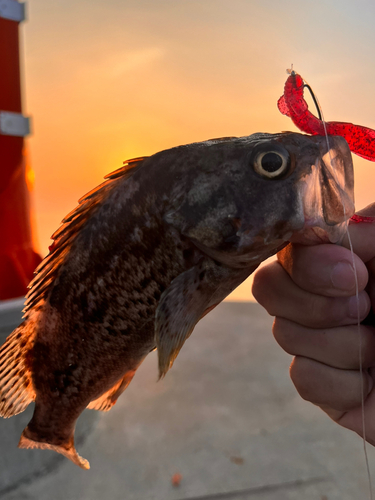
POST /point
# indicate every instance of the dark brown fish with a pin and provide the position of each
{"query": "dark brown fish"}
(147, 254)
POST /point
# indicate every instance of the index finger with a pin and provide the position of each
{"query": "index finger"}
(324, 269)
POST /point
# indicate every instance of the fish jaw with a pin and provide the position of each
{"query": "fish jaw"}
(327, 195)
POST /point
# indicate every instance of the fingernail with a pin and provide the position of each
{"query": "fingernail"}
(342, 276)
(358, 307)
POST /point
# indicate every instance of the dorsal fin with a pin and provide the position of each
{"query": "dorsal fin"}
(48, 269)
(16, 391)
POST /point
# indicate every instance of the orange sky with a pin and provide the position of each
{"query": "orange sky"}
(105, 81)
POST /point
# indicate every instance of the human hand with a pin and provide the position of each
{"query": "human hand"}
(311, 291)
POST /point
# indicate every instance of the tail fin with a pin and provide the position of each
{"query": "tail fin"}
(68, 449)
(16, 391)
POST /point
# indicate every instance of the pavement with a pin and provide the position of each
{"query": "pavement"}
(225, 423)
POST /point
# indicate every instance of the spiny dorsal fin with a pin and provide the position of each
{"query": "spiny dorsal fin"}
(48, 269)
(16, 391)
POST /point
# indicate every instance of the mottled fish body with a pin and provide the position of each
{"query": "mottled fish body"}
(147, 254)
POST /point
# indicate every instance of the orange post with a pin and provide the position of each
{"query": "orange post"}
(18, 257)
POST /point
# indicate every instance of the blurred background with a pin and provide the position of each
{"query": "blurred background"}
(105, 81)
(108, 80)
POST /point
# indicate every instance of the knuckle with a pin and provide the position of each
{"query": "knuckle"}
(264, 287)
(282, 334)
(367, 346)
(259, 288)
(301, 378)
(323, 311)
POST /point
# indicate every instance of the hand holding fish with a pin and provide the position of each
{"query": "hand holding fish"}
(311, 291)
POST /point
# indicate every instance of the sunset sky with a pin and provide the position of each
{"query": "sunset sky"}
(108, 80)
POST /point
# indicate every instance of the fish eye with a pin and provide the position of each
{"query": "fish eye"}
(271, 163)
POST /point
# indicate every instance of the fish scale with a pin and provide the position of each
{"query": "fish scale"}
(146, 255)
(128, 332)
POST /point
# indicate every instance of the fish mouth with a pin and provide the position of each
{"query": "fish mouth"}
(327, 194)
(317, 235)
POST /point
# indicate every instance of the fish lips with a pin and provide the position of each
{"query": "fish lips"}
(327, 194)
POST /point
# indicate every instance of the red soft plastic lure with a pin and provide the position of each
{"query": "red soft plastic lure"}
(361, 140)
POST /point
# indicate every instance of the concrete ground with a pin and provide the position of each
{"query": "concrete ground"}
(226, 419)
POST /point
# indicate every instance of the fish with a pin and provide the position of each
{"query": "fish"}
(149, 252)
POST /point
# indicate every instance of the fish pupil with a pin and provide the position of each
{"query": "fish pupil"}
(272, 162)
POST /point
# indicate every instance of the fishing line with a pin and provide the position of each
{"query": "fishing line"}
(321, 117)
(306, 86)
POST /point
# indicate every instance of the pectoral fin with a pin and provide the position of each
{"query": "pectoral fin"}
(181, 307)
(190, 296)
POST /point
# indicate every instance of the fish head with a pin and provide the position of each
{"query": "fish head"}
(304, 189)
(252, 195)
